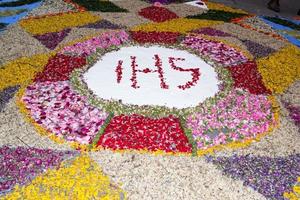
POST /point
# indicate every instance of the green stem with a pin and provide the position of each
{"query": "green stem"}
(189, 135)
(101, 131)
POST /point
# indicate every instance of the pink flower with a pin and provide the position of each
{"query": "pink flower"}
(244, 115)
(105, 40)
(157, 4)
(66, 114)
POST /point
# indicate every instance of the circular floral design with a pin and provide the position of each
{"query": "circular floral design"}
(60, 101)
(116, 106)
(152, 75)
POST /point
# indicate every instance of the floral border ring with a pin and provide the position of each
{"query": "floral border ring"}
(60, 103)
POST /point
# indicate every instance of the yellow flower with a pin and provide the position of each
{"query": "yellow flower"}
(217, 6)
(180, 25)
(79, 179)
(295, 194)
(281, 69)
(55, 23)
(22, 70)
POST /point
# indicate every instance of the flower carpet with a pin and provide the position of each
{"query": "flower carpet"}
(144, 99)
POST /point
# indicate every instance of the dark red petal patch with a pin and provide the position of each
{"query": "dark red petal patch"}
(155, 37)
(59, 68)
(157, 14)
(246, 76)
(144, 133)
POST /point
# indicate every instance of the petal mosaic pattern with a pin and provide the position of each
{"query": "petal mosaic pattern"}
(157, 14)
(79, 178)
(103, 41)
(246, 76)
(217, 51)
(103, 6)
(20, 165)
(280, 69)
(51, 40)
(258, 50)
(12, 11)
(239, 116)
(270, 176)
(179, 25)
(287, 28)
(6, 95)
(102, 24)
(218, 15)
(64, 111)
(212, 32)
(17, 3)
(253, 64)
(57, 22)
(60, 110)
(294, 113)
(59, 68)
(138, 132)
(158, 37)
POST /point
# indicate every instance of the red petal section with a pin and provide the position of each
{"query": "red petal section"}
(246, 76)
(138, 132)
(155, 37)
(157, 14)
(59, 68)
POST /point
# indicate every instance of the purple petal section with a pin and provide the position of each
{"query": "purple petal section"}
(161, 1)
(258, 50)
(268, 176)
(294, 113)
(212, 32)
(51, 40)
(102, 24)
(20, 165)
(6, 95)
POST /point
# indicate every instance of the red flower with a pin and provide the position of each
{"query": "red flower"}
(246, 76)
(139, 132)
(157, 14)
(119, 71)
(59, 68)
(135, 70)
(195, 73)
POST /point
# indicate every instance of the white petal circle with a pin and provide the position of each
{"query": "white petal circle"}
(102, 77)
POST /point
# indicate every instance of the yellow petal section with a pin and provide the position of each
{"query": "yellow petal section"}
(218, 6)
(22, 70)
(295, 194)
(55, 23)
(281, 69)
(80, 179)
(180, 25)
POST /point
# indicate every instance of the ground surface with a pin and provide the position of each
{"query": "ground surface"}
(149, 100)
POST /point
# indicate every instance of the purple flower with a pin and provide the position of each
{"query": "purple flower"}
(294, 113)
(212, 32)
(6, 95)
(258, 50)
(51, 40)
(161, 1)
(20, 165)
(269, 176)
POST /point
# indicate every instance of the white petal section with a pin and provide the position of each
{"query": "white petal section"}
(171, 177)
(102, 77)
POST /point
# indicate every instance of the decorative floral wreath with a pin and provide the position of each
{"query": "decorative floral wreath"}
(59, 101)
(117, 107)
